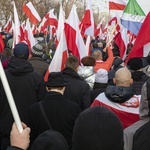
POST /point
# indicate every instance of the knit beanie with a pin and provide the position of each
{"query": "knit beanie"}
(98, 128)
(135, 63)
(50, 140)
(21, 50)
(101, 76)
(37, 50)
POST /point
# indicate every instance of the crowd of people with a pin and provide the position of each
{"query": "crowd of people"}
(98, 102)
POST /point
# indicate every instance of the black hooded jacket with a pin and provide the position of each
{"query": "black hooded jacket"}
(26, 87)
(119, 94)
(77, 91)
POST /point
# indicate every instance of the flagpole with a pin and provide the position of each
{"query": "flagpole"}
(10, 98)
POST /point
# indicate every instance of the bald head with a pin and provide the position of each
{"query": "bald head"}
(97, 55)
(123, 77)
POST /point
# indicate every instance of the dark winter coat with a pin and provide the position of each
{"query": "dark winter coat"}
(39, 65)
(98, 88)
(61, 114)
(26, 87)
(77, 91)
(139, 78)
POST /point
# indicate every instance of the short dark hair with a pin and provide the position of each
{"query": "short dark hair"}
(72, 62)
(88, 61)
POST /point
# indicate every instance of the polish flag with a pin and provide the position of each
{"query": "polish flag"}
(49, 20)
(141, 47)
(8, 25)
(128, 112)
(31, 13)
(122, 40)
(34, 29)
(73, 36)
(60, 57)
(29, 38)
(98, 30)
(87, 22)
(1, 44)
(16, 27)
(116, 7)
(61, 21)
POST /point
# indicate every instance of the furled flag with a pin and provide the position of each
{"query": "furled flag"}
(1, 44)
(116, 7)
(16, 27)
(141, 47)
(8, 25)
(87, 23)
(132, 17)
(61, 21)
(98, 29)
(73, 36)
(60, 57)
(31, 13)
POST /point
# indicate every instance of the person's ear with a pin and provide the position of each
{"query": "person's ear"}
(114, 80)
(131, 81)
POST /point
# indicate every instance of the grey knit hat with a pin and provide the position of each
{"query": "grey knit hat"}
(37, 50)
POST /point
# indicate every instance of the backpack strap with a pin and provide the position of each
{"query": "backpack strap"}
(45, 116)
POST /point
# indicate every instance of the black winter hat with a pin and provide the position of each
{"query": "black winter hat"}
(55, 79)
(135, 63)
(50, 140)
(98, 128)
(21, 50)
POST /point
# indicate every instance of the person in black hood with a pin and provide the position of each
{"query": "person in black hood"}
(121, 98)
(26, 87)
(50, 140)
(98, 128)
(78, 90)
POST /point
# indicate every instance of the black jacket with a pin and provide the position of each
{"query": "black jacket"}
(77, 91)
(139, 78)
(61, 114)
(26, 87)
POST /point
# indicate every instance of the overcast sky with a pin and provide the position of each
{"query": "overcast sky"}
(103, 5)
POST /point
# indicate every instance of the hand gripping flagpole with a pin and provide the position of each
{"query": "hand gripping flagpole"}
(10, 99)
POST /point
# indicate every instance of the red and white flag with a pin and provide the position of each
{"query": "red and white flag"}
(49, 20)
(73, 36)
(29, 38)
(128, 112)
(60, 57)
(116, 7)
(1, 44)
(122, 40)
(61, 21)
(141, 47)
(98, 30)
(87, 22)
(31, 13)
(16, 27)
(8, 25)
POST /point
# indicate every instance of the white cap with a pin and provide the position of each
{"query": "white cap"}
(101, 76)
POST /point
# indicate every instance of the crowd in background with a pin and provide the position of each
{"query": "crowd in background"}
(100, 102)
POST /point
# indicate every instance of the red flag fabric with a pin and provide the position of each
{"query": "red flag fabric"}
(60, 57)
(31, 13)
(73, 36)
(1, 44)
(87, 23)
(128, 112)
(139, 48)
